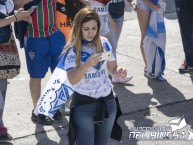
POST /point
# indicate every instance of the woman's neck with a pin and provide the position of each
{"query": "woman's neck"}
(87, 43)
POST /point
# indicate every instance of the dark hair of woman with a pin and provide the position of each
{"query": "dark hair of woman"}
(72, 8)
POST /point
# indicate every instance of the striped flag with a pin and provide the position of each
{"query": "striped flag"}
(155, 42)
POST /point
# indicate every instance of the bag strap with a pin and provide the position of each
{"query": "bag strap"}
(30, 4)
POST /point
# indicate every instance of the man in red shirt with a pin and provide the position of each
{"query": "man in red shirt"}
(43, 45)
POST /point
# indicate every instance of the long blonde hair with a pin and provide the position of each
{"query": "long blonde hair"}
(83, 16)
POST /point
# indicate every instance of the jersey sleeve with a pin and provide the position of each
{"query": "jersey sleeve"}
(70, 60)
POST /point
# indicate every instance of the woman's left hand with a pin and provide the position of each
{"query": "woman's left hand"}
(122, 72)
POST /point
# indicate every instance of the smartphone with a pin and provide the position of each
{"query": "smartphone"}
(105, 55)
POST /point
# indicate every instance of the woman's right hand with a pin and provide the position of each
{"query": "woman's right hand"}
(92, 60)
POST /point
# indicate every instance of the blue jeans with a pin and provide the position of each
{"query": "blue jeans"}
(114, 36)
(88, 132)
(104, 25)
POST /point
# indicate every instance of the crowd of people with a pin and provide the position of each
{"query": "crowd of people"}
(51, 30)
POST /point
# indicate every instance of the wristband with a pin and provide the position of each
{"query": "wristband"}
(15, 17)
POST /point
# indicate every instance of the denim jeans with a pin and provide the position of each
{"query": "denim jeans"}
(142, 5)
(114, 36)
(88, 132)
(3, 89)
(104, 25)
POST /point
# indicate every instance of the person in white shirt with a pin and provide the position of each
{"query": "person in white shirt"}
(101, 7)
(89, 76)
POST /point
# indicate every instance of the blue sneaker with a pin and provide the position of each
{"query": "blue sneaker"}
(149, 75)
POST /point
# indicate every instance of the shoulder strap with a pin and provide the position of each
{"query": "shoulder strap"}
(31, 3)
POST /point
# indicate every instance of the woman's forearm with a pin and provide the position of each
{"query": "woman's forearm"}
(112, 68)
(76, 75)
(7, 21)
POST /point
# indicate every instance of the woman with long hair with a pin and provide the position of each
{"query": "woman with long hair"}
(93, 106)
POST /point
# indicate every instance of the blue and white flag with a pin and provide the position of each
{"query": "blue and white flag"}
(155, 41)
(58, 89)
(56, 93)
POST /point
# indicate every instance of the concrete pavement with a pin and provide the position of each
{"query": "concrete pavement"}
(144, 102)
